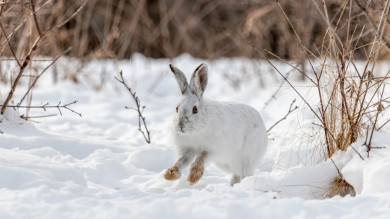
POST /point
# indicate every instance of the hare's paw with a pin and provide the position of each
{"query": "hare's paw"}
(172, 174)
(195, 174)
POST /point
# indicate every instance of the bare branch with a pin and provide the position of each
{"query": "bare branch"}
(43, 71)
(273, 96)
(22, 68)
(32, 6)
(34, 47)
(47, 106)
(338, 170)
(139, 109)
(10, 46)
(376, 120)
(290, 110)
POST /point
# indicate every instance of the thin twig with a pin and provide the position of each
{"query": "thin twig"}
(338, 170)
(22, 68)
(284, 78)
(37, 117)
(383, 124)
(10, 46)
(357, 152)
(139, 109)
(290, 110)
(43, 71)
(294, 67)
(372, 147)
(376, 119)
(47, 106)
(32, 5)
(273, 96)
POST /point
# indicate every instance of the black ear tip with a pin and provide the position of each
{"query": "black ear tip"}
(201, 66)
(172, 68)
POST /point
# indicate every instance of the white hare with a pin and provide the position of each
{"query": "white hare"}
(230, 135)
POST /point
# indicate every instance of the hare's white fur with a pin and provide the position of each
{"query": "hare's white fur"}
(233, 135)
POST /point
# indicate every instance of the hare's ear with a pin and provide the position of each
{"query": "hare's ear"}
(199, 80)
(180, 78)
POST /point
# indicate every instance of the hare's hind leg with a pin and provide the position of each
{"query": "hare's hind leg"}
(235, 179)
(174, 172)
(241, 168)
(197, 168)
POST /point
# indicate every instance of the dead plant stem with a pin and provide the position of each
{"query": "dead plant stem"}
(139, 109)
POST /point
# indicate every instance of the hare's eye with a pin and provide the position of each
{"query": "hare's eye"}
(194, 110)
(177, 108)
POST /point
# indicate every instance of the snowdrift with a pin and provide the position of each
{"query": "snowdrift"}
(100, 166)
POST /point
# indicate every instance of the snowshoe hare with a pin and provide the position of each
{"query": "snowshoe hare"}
(230, 135)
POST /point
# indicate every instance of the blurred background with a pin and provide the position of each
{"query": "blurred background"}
(205, 29)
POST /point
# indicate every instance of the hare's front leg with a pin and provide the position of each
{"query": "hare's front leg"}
(174, 172)
(197, 168)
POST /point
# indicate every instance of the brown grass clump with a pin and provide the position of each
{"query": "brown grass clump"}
(340, 187)
(349, 95)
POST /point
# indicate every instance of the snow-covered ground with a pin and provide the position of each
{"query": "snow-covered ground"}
(99, 165)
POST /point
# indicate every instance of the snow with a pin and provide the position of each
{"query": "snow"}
(99, 165)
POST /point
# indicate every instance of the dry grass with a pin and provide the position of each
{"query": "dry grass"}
(350, 97)
(340, 187)
(205, 29)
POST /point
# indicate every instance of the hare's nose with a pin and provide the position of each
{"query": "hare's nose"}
(183, 120)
